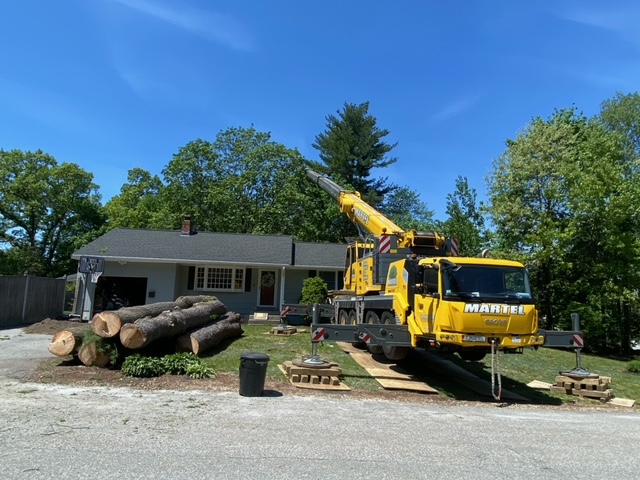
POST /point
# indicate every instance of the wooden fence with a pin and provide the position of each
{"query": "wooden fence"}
(26, 300)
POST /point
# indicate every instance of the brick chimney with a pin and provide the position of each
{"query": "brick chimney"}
(188, 227)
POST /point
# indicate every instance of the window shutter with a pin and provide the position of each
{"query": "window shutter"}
(247, 280)
(191, 277)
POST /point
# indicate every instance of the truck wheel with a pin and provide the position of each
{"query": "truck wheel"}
(472, 355)
(343, 317)
(393, 353)
(372, 317)
(353, 320)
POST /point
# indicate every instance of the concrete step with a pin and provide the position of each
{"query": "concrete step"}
(264, 318)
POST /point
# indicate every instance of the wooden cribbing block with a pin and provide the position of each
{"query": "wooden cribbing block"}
(317, 378)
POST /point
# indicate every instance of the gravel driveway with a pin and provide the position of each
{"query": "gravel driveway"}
(50, 431)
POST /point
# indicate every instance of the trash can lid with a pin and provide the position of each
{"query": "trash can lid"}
(255, 356)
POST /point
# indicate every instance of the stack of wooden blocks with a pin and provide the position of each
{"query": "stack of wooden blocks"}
(597, 387)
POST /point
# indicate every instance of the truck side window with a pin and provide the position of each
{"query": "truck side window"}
(431, 280)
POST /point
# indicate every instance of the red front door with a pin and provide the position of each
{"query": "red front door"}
(267, 288)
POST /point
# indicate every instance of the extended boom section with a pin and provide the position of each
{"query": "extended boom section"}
(374, 222)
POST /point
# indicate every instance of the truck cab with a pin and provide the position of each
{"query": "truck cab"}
(471, 303)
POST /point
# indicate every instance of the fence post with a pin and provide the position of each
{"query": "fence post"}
(24, 300)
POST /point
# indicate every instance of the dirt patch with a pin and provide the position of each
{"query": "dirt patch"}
(52, 326)
(69, 371)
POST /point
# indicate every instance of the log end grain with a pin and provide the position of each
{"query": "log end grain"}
(90, 355)
(106, 324)
(132, 337)
(64, 343)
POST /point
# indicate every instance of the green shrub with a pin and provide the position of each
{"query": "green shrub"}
(177, 363)
(199, 370)
(634, 366)
(314, 290)
(138, 366)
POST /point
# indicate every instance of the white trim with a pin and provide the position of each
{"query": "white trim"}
(206, 268)
(282, 282)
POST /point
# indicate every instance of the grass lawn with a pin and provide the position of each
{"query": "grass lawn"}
(518, 370)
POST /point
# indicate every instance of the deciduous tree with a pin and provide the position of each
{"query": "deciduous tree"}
(45, 207)
(243, 182)
(560, 201)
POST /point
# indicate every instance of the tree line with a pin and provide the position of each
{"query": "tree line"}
(563, 198)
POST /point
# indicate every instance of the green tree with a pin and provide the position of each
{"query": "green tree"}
(560, 202)
(465, 220)
(621, 115)
(139, 204)
(351, 147)
(45, 207)
(243, 182)
(404, 207)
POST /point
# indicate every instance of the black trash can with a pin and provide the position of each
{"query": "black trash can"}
(253, 373)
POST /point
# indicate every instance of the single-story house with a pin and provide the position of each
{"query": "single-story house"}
(248, 273)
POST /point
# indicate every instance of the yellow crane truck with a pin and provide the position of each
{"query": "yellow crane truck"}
(409, 289)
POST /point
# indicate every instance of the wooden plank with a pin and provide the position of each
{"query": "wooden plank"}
(584, 381)
(592, 393)
(295, 370)
(580, 392)
(464, 377)
(389, 376)
(538, 385)
(622, 402)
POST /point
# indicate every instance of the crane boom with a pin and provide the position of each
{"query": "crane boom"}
(368, 218)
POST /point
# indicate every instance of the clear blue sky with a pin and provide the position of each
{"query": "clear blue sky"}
(117, 84)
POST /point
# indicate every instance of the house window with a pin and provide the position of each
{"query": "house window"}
(221, 279)
(330, 278)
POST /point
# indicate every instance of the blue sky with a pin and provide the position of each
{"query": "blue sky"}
(117, 84)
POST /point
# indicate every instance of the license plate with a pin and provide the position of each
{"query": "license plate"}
(474, 338)
(516, 340)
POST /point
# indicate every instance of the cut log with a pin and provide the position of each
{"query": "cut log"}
(65, 343)
(168, 324)
(90, 355)
(107, 324)
(205, 338)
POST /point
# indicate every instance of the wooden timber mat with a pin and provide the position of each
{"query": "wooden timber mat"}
(273, 333)
(388, 375)
(464, 377)
(313, 378)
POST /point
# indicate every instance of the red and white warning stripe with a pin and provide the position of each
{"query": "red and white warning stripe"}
(455, 247)
(385, 244)
(365, 337)
(578, 341)
(317, 335)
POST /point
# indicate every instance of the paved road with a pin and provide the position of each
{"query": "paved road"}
(61, 432)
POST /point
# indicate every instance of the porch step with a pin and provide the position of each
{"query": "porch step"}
(264, 318)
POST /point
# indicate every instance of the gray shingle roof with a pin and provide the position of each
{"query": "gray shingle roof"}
(320, 254)
(121, 244)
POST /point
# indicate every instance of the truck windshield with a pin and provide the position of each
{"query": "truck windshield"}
(487, 283)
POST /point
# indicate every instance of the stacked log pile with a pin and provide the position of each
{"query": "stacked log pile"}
(192, 324)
